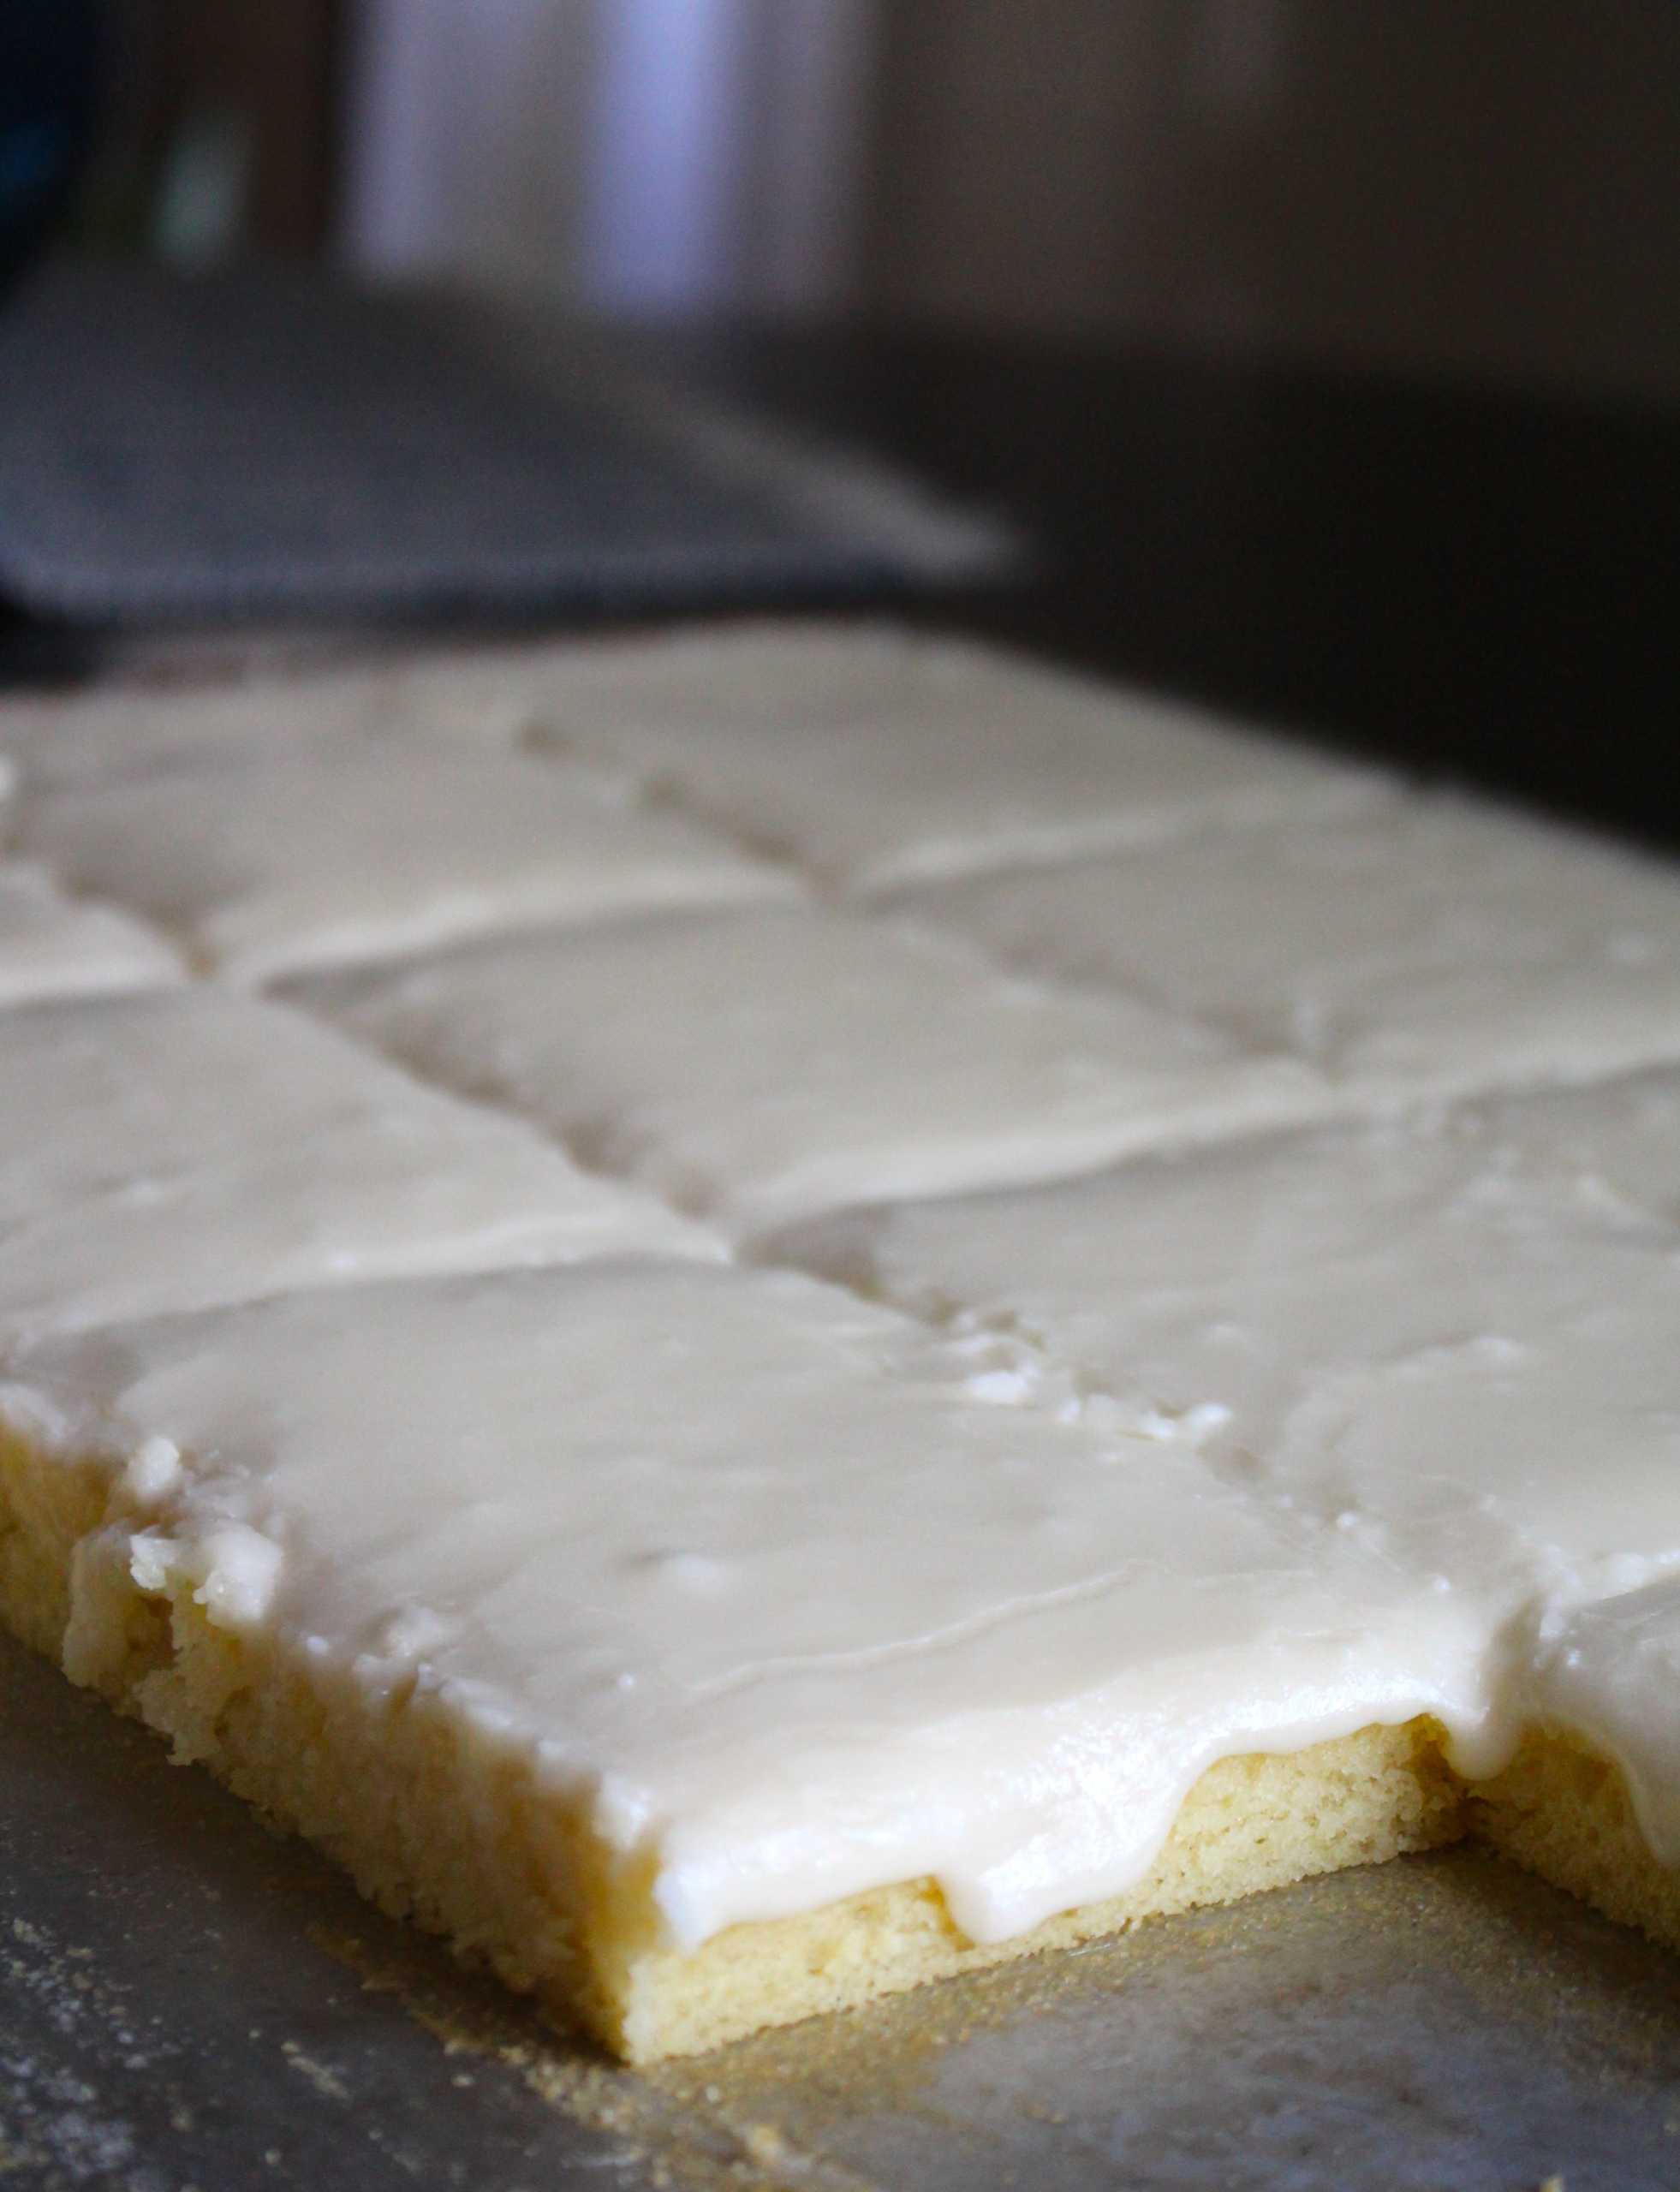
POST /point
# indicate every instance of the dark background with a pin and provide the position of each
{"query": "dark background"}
(1331, 353)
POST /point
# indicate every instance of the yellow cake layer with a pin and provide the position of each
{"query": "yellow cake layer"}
(1563, 1811)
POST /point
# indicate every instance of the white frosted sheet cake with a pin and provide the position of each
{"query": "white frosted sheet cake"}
(1450, 1347)
(760, 1596)
(922, 757)
(760, 1063)
(1429, 946)
(188, 1147)
(82, 736)
(314, 855)
(860, 1308)
(55, 945)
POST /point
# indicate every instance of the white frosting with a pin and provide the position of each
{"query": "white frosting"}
(910, 757)
(769, 673)
(306, 857)
(762, 1063)
(62, 739)
(748, 1564)
(54, 946)
(1427, 946)
(706, 680)
(189, 1147)
(1615, 1141)
(1439, 1353)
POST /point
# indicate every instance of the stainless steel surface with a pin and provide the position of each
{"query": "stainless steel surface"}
(190, 2000)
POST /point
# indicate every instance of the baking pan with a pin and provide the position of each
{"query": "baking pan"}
(191, 2000)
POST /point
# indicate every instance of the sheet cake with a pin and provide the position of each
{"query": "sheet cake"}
(859, 1310)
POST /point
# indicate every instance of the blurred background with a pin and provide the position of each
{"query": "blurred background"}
(1327, 352)
(1487, 190)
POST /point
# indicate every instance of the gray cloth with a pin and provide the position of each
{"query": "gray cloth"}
(261, 444)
